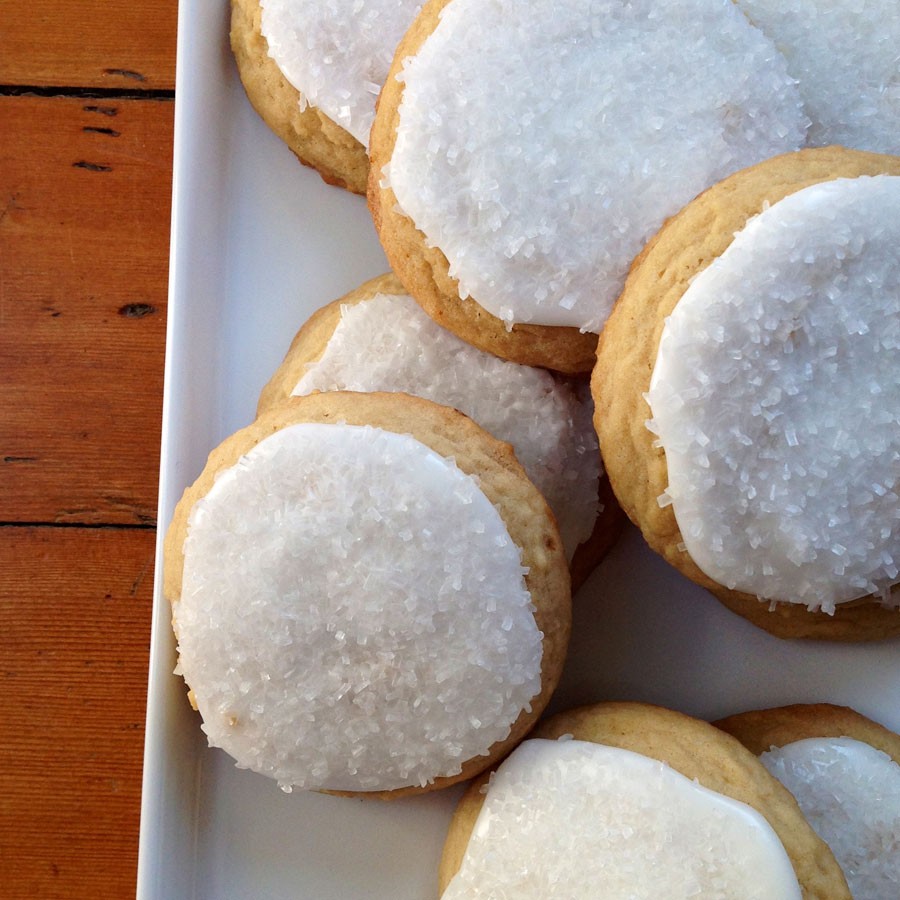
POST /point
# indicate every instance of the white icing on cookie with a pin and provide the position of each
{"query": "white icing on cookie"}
(388, 343)
(580, 820)
(353, 613)
(539, 147)
(850, 793)
(776, 396)
(844, 55)
(337, 53)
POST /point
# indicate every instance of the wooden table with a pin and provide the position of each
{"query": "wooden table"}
(86, 112)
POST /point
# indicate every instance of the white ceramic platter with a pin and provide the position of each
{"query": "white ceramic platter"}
(258, 243)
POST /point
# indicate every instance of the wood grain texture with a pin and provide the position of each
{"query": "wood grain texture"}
(74, 637)
(120, 44)
(84, 225)
(85, 184)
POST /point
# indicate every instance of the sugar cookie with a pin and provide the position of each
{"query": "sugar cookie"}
(368, 593)
(805, 596)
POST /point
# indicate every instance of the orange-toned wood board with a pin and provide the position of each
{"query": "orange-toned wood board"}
(96, 43)
(86, 115)
(74, 634)
(84, 224)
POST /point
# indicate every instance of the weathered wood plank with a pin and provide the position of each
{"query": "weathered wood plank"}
(94, 43)
(74, 634)
(84, 225)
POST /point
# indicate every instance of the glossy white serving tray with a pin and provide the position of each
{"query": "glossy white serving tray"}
(258, 243)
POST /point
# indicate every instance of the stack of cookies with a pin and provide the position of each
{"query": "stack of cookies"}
(631, 272)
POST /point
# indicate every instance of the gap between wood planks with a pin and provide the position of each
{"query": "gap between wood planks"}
(90, 526)
(88, 93)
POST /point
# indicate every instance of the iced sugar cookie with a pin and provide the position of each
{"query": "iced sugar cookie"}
(647, 802)
(313, 72)
(378, 339)
(747, 393)
(368, 593)
(520, 161)
(844, 770)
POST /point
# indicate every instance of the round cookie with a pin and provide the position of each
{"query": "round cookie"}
(493, 263)
(698, 751)
(843, 770)
(502, 488)
(316, 140)
(627, 352)
(505, 398)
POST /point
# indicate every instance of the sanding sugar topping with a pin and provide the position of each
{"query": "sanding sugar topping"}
(580, 820)
(388, 343)
(539, 151)
(337, 53)
(353, 613)
(850, 793)
(844, 55)
(776, 396)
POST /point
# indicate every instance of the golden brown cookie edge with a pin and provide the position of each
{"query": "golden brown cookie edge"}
(761, 729)
(626, 355)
